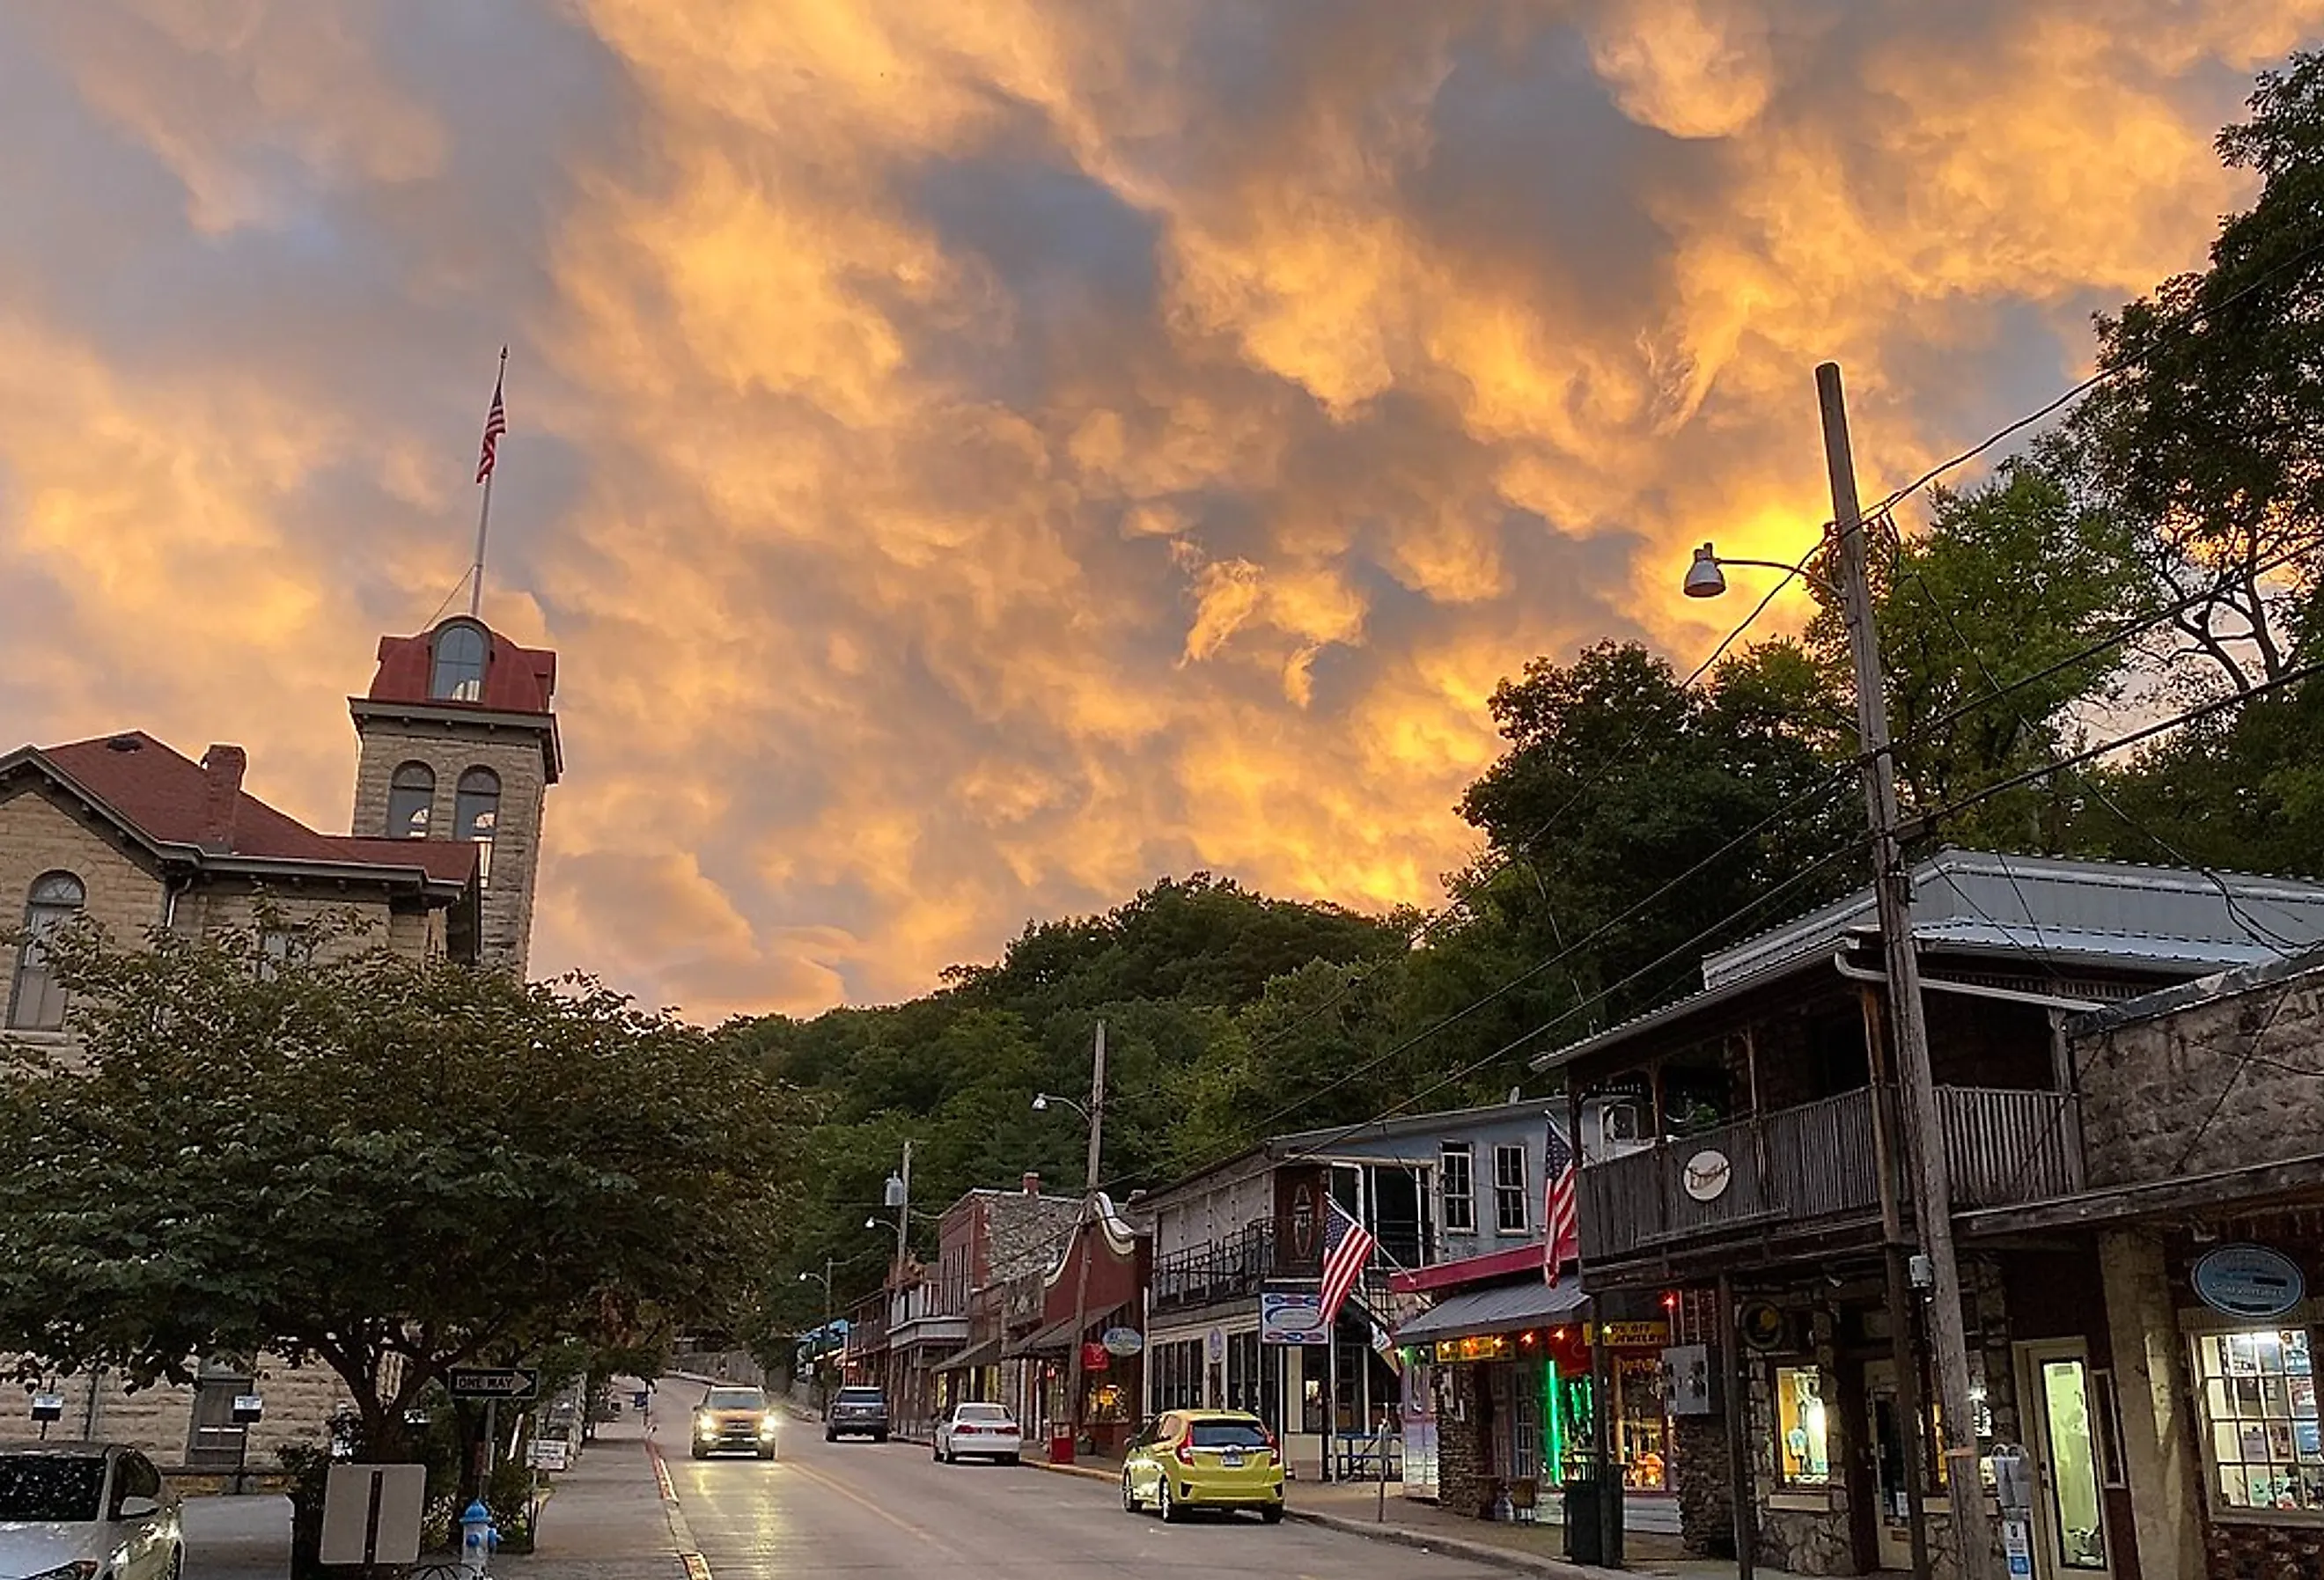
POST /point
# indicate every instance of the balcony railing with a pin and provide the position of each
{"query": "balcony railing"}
(1807, 1165)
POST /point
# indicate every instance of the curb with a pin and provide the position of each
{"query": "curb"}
(1087, 1472)
(1477, 1552)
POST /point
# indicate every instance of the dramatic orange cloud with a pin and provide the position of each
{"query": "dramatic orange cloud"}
(974, 459)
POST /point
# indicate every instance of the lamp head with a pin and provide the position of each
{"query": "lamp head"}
(1704, 580)
(807, 1278)
(1040, 1102)
(872, 1223)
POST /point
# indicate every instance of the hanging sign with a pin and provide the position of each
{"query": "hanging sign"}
(1122, 1341)
(1095, 1358)
(1292, 1317)
(2249, 1281)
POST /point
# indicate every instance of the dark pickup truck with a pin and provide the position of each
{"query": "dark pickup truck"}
(856, 1412)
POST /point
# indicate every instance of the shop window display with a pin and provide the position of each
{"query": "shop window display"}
(1802, 1442)
(2257, 1393)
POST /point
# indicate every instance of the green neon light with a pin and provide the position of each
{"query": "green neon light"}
(1554, 1416)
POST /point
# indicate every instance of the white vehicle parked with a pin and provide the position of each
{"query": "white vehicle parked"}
(987, 1430)
(77, 1510)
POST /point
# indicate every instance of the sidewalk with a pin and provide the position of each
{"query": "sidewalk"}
(608, 1517)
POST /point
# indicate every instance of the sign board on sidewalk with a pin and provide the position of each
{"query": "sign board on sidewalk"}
(547, 1453)
(492, 1381)
(371, 1513)
(1292, 1317)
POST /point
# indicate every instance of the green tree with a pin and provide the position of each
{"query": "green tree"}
(386, 1166)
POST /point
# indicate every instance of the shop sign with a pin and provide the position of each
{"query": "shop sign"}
(1095, 1358)
(1122, 1341)
(1292, 1317)
(1764, 1326)
(2249, 1281)
(1707, 1174)
(1629, 1335)
(1483, 1347)
(1215, 1344)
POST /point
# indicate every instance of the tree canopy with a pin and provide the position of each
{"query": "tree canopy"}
(386, 1166)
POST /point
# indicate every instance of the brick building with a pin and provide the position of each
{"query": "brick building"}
(457, 747)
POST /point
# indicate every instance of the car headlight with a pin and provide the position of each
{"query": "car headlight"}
(767, 1428)
(79, 1570)
(704, 1426)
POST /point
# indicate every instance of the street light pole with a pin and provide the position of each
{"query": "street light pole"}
(1088, 1215)
(1892, 895)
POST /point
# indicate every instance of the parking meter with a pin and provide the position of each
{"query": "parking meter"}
(2012, 1487)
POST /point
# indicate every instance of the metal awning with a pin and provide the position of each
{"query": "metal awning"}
(969, 1360)
(1057, 1338)
(1494, 1310)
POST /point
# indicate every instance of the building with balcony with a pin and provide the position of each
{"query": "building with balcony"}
(1430, 1187)
(1741, 1153)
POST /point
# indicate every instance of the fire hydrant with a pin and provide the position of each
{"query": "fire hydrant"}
(478, 1538)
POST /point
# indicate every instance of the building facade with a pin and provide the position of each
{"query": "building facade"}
(124, 832)
(1742, 1157)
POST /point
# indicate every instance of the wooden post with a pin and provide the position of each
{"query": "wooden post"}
(1901, 1326)
(1740, 1489)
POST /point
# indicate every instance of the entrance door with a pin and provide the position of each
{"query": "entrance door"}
(2062, 1419)
(1892, 1504)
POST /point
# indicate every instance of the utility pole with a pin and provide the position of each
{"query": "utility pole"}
(823, 1347)
(1892, 892)
(1088, 1217)
(900, 1196)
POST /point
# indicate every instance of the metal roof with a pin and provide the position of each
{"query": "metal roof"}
(2170, 920)
(1494, 1310)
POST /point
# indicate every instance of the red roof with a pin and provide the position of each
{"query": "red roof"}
(167, 797)
(517, 680)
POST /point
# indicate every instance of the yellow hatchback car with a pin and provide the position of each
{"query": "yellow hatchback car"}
(1203, 1459)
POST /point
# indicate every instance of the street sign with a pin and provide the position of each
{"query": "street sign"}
(492, 1381)
(372, 1514)
(547, 1453)
(249, 1410)
(48, 1407)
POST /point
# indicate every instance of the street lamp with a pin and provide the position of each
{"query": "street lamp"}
(1094, 1117)
(1845, 555)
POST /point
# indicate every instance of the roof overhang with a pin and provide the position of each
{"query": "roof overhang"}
(1495, 1310)
(541, 727)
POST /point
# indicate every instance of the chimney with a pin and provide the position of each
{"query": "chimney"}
(223, 767)
(1032, 1183)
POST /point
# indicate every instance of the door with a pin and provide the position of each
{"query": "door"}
(2067, 1452)
(1892, 1512)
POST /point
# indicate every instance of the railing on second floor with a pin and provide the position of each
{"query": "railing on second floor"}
(1817, 1162)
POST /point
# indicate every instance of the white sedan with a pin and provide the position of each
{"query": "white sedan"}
(984, 1430)
(75, 1510)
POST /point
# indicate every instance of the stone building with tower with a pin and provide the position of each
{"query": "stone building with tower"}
(457, 746)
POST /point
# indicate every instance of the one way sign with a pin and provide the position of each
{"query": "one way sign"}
(493, 1383)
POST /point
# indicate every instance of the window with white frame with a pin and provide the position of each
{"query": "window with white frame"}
(1456, 1175)
(36, 1001)
(1512, 1208)
(2256, 1390)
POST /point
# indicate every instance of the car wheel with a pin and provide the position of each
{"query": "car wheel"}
(1272, 1513)
(766, 1451)
(177, 1564)
(830, 1437)
(935, 1454)
(880, 1437)
(1165, 1504)
(1011, 1459)
(700, 1451)
(1128, 1493)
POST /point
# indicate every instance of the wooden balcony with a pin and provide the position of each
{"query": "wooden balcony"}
(1813, 1166)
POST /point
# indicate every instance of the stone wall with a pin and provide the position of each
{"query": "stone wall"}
(1706, 1498)
(1463, 1482)
(449, 751)
(38, 836)
(159, 1420)
(2141, 1077)
(2264, 1552)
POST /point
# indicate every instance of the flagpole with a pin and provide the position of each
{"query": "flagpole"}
(484, 516)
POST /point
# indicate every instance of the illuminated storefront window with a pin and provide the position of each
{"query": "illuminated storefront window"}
(2260, 1427)
(1803, 1448)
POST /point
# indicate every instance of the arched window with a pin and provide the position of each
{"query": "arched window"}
(476, 814)
(37, 1002)
(411, 796)
(459, 663)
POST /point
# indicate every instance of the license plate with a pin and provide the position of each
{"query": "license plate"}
(1232, 1459)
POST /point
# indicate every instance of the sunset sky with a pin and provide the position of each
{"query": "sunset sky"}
(973, 457)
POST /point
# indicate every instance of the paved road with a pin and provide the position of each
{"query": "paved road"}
(237, 1538)
(856, 1508)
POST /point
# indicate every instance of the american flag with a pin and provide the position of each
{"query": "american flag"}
(1347, 1247)
(495, 425)
(1560, 1217)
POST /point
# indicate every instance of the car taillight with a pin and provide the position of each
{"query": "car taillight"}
(1185, 1451)
(1274, 1449)
(965, 1430)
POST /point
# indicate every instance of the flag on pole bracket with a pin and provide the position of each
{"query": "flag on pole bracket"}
(1561, 1217)
(1386, 1347)
(1347, 1247)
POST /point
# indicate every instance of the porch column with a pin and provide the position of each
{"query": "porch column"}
(2163, 1469)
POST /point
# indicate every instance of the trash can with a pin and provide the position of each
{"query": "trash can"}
(1061, 1448)
(1589, 1538)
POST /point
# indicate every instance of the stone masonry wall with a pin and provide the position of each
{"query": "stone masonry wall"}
(451, 750)
(2142, 1079)
(300, 1400)
(1462, 1460)
(39, 835)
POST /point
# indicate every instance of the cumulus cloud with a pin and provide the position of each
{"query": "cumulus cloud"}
(972, 459)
